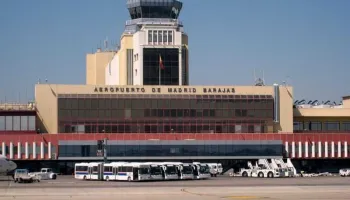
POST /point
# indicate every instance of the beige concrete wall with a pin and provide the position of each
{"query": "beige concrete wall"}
(346, 103)
(321, 112)
(126, 42)
(46, 105)
(286, 110)
(95, 67)
(90, 69)
(91, 89)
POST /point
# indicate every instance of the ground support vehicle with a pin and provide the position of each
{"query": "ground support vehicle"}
(45, 174)
(23, 176)
(344, 172)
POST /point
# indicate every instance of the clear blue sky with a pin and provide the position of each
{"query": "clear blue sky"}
(303, 42)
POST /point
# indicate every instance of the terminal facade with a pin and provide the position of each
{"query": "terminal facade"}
(138, 97)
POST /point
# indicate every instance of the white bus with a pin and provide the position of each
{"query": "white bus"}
(201, 170)
(89, 171)
(110, 171)
(184, 170)
(133, 172)
(155, 170)
(170, 171)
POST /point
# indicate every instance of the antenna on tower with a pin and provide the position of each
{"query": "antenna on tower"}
(106, 44)
(259, 81)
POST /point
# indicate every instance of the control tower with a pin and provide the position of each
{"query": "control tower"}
(153, 47)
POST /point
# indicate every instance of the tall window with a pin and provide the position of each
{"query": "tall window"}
(160, 37)
(165, 36)
(154, 36)
(170, 36)
(150, 36)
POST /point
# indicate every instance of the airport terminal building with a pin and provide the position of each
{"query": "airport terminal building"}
(138, 97)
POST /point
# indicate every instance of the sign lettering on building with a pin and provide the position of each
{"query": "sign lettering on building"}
(160, 90)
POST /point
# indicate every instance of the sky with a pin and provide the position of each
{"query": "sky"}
(303, 43)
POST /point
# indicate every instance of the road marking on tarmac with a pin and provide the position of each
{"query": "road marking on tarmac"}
(244, 197)
(52, 182)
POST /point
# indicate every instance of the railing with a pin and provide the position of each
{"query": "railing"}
(153, 21)
(17, 107)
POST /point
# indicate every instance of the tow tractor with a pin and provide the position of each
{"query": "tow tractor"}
(45, 174)
(23, 176)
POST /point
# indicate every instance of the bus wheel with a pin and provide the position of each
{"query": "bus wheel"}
(129, 179)
(107, 178)
(84, 178)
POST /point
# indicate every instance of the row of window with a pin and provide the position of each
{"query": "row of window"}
(173, 150)
(17, 123)
(87, 103)
(321, 126)
(168, 113)
(160, 37)
(163, 128)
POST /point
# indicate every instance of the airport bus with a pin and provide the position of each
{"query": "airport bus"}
(169, 170)
(89, 171)
(134, 172)
(201, 170)
(110, 171)
(184, 170)
(155, 170)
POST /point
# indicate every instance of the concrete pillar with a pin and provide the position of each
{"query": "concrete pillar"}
(320, 149)
(49, 150)
(11, 150)
(332, 149)
(293, 149)
(306, 153)
(19, 150)
(42, 150)
(34, 150)
(26, 150)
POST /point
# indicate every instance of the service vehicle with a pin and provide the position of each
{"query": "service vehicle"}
(45, 174)
(23, 176)
(344, 172)
(215, 169)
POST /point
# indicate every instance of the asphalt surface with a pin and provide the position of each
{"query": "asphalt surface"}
(217, 188)
(221, 181)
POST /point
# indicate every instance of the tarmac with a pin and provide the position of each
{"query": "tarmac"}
(66, 187)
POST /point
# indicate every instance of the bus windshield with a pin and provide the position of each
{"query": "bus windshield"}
(144, 171)
(204, 169)
(171, 170)
(187, 169)
(156, 171)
